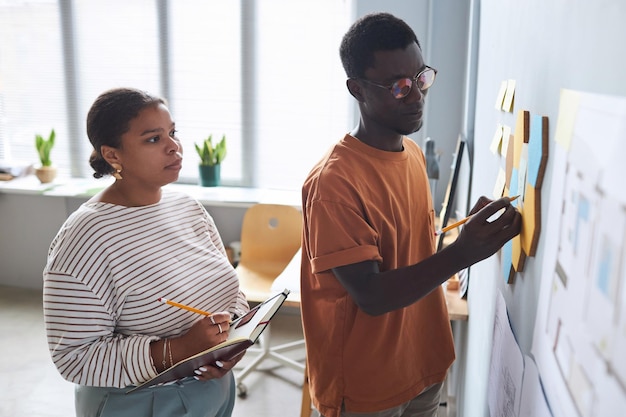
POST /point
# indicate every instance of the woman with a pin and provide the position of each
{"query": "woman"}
(120, 252)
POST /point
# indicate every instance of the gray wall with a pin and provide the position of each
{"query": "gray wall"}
(544, 46)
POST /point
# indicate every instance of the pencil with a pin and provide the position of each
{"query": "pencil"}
(184, 307)
(463, 221)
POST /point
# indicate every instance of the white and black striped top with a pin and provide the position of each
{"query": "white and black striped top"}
(106, 269)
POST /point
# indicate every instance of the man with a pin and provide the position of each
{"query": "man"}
(375, 320)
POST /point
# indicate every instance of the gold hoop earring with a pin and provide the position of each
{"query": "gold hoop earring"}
(117, 174)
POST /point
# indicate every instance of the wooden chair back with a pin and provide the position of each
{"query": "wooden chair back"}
(270, 237)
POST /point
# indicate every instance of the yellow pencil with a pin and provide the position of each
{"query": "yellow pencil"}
(184, 307)
(463, 221)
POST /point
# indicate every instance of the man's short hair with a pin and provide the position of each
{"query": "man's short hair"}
(372, 32)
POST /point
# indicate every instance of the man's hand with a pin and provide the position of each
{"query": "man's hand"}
(486, 232)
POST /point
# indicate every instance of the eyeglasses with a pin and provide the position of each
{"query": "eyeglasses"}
(402, 87)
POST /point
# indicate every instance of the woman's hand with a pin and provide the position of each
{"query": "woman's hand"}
(203, 334)
(217, 369)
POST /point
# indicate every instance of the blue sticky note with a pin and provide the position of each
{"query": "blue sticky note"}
(507, 260)
(535, 149)
(514, 182)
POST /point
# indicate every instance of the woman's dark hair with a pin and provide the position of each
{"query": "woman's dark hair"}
(372, 32)
(109, 118)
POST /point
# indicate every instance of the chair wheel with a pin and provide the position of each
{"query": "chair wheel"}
(242, 390)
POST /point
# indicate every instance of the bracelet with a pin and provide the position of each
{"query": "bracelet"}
(169, 342)
(164, 354)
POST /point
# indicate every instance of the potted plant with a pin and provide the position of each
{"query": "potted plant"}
(211, 157)
(46, 172)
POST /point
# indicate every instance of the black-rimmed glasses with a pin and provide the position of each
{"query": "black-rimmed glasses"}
(402, 87)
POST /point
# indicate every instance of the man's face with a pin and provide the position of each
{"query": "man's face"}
(403, 115)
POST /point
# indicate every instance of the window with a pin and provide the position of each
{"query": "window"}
(32, 90)
(303, 104)
(265, 73)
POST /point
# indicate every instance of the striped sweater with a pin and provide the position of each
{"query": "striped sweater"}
(106, 269)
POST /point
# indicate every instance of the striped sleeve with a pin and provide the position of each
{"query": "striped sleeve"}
(82, 341)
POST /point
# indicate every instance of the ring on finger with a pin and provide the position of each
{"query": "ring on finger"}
(212, 319)
(219, 326)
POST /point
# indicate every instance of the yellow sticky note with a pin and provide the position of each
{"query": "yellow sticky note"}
(498, 189)
(568, 108)
(520, 135)
(506, 133)
(500, 98)
(507, 105)
(496, 141)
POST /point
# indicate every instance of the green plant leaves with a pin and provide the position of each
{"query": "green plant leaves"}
(44, 146)
(211, 154)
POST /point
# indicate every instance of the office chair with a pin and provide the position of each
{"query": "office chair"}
(270, 237)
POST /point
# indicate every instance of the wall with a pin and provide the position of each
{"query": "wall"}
(544, 46)
(27, 224)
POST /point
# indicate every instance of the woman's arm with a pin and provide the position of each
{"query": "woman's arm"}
(83, 345)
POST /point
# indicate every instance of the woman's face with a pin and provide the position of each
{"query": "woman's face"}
(150, 152)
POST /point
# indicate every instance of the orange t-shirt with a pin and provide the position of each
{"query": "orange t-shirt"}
(361, 203)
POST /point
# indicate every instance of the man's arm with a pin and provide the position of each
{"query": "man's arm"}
(378, 292)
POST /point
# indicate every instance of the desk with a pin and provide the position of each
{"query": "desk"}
(457, 306)
(237, 197)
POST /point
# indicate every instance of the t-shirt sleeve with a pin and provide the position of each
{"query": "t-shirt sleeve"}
(344, 235)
